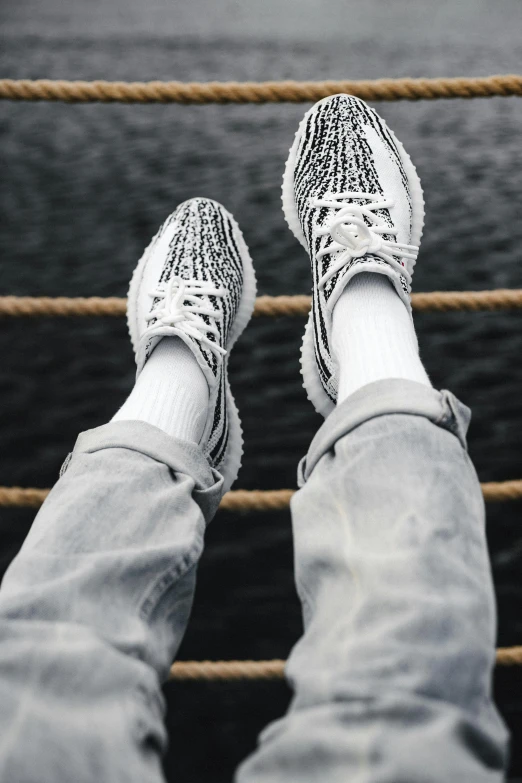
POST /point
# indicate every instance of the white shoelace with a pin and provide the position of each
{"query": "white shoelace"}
(172, 310)
(351, 233)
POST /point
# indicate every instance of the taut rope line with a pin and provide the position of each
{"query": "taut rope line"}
(274, 670)
(267, 306)
(254, 499)
(257, 92)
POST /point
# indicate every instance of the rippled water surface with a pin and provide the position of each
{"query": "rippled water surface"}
(82, 190)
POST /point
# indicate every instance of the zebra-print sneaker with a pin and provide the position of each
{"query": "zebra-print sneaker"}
(196, 281)
(353, 199)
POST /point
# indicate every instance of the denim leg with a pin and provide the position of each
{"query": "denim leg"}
(392, 677)
(94, 607)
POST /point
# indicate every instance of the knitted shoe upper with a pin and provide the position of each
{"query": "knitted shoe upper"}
(189, 284)
(353, 201)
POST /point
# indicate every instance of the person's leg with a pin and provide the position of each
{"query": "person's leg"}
(94, 607)
(392, 677)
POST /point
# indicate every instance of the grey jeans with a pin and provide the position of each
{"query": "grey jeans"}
(392, 677)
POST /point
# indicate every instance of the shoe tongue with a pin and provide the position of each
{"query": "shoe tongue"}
(345, 276)
(149, 342)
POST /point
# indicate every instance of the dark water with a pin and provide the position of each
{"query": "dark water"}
(84, 187)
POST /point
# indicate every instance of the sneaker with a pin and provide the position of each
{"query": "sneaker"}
(353, 199)
(196, 281)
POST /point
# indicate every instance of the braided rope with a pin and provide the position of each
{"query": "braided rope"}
(470, 301)
(256, 500)
(240, 500)
(266, 306)
(237, 500)
(257, 92)
(21, 306)
(502, 491)
(62, 306)
(22, 497)
(274, 669)
(227, 670)
(509, 656)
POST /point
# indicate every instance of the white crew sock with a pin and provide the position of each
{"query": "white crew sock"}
(171, 392)
(373, 335)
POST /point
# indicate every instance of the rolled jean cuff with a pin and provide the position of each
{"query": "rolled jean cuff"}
(384, 398)
(181, 456)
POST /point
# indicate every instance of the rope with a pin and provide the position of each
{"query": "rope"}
(239, 500)
(19, 306)
(502, 491)
(509, 656)
(470, 301)
(267, 306)
(257, 92)
(61, 306)
(274, 670)
(21, 497)
(256, 500)
(227, 670)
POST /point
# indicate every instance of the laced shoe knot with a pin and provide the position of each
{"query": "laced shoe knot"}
(358, 238)
(357, 229)
(181, 305)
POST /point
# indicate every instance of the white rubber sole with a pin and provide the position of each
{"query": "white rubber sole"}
(234, 452)
(311, 380)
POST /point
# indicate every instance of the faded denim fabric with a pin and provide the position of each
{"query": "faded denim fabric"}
(392, 677)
